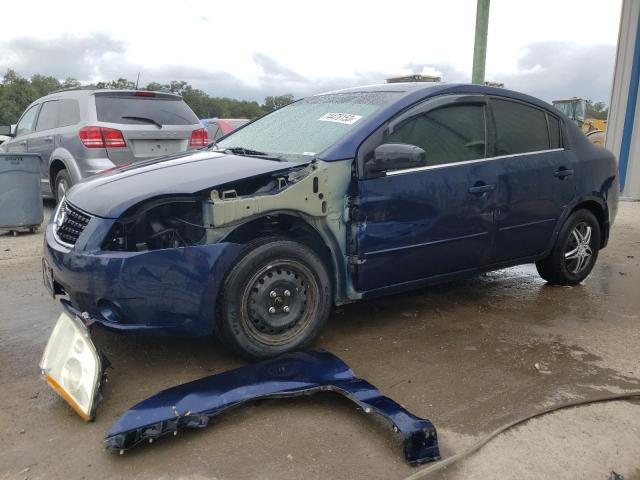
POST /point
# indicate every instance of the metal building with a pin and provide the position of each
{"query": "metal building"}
(623, 126)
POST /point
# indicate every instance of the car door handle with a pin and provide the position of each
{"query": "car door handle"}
(22, 143)
(480, 188)
(48, 139)
(563, 172)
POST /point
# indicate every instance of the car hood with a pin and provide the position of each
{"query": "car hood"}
(110, 195)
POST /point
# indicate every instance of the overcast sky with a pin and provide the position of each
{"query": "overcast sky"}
(251, 49)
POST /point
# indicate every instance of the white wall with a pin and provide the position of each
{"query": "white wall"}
(629, 18)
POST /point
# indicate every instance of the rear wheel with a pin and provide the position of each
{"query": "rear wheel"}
(275, 299)
(575, 252)
(61, 184)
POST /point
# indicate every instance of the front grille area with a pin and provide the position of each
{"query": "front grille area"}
(70, 223)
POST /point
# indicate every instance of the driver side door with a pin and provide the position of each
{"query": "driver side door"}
(436, 219)
(24, 129)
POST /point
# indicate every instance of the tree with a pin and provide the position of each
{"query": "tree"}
(16, 93)
(119, 84)
(42, 85)
(273, 103)
(156, 87)
(70, 83)
(597, 110)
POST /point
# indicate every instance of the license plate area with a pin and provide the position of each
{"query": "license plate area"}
(152, 148)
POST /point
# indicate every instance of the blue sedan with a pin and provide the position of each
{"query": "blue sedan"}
(338, 197)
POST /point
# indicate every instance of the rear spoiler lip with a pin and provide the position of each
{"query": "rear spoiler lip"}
(132, 93)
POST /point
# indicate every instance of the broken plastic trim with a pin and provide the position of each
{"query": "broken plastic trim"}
(193, 404)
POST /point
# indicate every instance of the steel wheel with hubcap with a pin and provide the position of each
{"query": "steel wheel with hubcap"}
(276, 299)
(575, 251)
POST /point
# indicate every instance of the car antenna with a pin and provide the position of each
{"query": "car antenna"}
(137, 80)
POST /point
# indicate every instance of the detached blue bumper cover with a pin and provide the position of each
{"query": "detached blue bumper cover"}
(191, 405)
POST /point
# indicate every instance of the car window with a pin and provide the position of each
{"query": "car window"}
(310, 126)
(519, 128)
(554, 132)
(214, 131)
(27, 122)
(449, 134)
(134, 110)
(48, 117)
(69, 112)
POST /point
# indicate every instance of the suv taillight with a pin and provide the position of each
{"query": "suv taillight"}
(102, 137)
(199, 138)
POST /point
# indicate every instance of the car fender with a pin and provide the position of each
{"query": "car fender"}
(63, 155)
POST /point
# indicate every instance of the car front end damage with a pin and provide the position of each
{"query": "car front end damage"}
(158, 267)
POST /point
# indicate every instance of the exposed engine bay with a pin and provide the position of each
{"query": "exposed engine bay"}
(174, 222)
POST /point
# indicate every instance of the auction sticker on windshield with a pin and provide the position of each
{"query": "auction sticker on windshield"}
(346, 118)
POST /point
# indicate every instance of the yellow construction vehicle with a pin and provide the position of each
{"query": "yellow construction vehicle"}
(575, 108)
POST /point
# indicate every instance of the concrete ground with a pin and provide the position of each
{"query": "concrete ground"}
(470, 355)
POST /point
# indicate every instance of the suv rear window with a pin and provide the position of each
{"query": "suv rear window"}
(165, 111)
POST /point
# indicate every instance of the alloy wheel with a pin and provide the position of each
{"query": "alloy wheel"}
(578, 252)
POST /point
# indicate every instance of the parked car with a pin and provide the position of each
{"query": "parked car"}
(335, 198)
(81, 132)
(219, 127)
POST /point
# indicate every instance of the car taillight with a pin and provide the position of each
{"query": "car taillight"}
(143, 93)
(102, 137)
(199, 138)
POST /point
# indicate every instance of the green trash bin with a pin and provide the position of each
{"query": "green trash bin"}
(20, 192)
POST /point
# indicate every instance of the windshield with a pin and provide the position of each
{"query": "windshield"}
(309, 126)
(574, 109)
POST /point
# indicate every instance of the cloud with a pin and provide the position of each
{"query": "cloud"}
(555, 70)
(548, 70)
(62, 57)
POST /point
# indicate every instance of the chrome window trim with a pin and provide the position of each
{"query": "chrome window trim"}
(467, 162)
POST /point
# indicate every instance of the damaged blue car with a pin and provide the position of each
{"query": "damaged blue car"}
(335, 198)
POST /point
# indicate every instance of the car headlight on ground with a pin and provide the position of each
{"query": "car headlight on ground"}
(72, 366)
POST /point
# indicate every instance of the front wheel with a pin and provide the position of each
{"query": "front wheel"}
(575, 252)
(276, 299)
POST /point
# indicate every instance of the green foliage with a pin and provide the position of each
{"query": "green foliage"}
(272, 103)
(16, 93)
(597, 110)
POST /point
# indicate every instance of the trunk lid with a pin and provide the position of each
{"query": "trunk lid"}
(153, 124)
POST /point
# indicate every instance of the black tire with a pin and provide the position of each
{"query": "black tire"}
(562, 266)
(275, 299)
(61, 184)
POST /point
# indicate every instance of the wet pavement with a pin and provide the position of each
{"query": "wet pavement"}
(469, 355)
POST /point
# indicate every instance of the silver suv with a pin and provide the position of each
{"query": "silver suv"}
(81, 132)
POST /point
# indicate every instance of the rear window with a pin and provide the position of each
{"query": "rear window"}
(143, 110)
(519, 128)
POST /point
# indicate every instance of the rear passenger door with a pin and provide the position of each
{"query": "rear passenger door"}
(535, 178)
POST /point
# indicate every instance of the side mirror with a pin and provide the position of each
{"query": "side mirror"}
(396, 156)
(6, 130)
